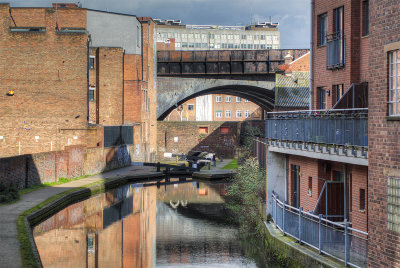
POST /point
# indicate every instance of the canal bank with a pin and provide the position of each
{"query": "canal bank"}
(14, 229)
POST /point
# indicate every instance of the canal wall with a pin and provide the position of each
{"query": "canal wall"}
(24, 171)
(182, 137)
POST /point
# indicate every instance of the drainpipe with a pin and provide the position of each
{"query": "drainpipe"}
(123, 87)
(311, 53)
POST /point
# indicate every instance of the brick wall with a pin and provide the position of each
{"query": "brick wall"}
(34, 119)
(355, 70)
(182, 137)
(384, 145)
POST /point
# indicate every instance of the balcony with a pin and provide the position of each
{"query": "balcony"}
(335, 51)
(340, 132)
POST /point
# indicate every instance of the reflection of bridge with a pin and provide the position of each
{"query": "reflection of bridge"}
(249, 74)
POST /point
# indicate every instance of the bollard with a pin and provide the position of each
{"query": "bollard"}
(319, 233)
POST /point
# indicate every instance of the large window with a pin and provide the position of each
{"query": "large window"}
(335, 58)
(322, 29)
(394, 82)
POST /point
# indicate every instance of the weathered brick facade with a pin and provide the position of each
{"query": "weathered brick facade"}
(47, 72)
(384, 134)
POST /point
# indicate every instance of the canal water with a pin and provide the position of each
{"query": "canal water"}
(181, 223)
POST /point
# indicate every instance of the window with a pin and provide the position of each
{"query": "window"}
(250, 46)
(224, 130)
(238, 99)
(338, 20)
(228, 114)
(309, 186)
(262, 46)
(239, 114)
(203, 130)
(178, 44)
(217, 36)
(246, 100)
(190, 107)
(91, 93)
(365, 20)
(393, 204)
(269, 46)
(247, 114)
(190, 36)
(362, 199)
(196, 36)
(335, 42)
(394, 82)
(228, 99)
(184, 44)
(191, 44)
(322, 29)
(92, 62)
(230, 45)
(322, 98)
(204, 45)
(218, 114)
(338, 91)
(243, 45)
(243, 37)
(218, 99)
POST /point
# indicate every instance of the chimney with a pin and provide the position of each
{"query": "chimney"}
(288, 58)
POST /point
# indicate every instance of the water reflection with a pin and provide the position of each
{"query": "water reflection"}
(180, 223)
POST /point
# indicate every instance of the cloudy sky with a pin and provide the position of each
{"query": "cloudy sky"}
(292, 15)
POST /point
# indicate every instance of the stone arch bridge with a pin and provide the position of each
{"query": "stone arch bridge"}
(250, 74)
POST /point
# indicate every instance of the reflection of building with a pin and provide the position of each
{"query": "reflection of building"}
(114, 229)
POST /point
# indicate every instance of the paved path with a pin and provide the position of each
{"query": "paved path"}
(9, 245)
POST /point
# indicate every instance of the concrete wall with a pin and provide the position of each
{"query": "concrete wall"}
(114, 30)
(276, 177)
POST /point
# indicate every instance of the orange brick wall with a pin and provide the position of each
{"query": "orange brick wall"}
(51, 106)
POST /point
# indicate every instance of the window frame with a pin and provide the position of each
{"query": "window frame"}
(247, 114)
(218, 99)
(322, 29)
(239, 112)
(393, 76)
(238, 99)
(365, 18)
(92, 67)
(92, 94)
(218, 114)
(228, 99)
(228, 112)
(321, 98)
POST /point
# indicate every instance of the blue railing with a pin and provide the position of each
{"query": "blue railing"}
(337, 240)
(347, 127)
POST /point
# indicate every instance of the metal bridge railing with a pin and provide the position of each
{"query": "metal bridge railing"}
(339, 127)
(337, 240)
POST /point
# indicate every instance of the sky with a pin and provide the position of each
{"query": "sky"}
(293, 16)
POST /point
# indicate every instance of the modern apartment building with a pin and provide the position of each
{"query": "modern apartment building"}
(317, 160)
(215, 37)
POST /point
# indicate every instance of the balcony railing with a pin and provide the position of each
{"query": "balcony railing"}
(347, 127)
(335, 48)
(337, 240)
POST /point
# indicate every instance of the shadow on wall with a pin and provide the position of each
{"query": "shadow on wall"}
(27, 170)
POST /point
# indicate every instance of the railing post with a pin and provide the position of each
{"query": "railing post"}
(275, 219)
(283, 218)
(300, 224)
(158, 167)
(346, 243)
(320, 233)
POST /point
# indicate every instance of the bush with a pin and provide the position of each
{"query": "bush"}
(245, 196)
(8, 193)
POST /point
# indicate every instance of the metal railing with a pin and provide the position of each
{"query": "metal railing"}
(337, 240)
(347, 127)
(335, 51)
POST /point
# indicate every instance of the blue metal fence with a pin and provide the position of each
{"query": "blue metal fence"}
(331, 238)
(339, 127)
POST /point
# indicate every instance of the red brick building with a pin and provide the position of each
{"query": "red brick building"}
(68, 81)
(384, 134)
(318, 160)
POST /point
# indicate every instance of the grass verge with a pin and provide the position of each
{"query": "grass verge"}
(232, 165)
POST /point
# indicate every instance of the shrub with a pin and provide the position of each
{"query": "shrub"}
(8, 193)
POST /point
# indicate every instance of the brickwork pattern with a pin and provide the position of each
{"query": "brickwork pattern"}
(384, 145)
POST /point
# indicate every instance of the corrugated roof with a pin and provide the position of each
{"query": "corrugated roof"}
(292, 90)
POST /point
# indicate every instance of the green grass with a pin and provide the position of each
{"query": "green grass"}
(232, 165)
